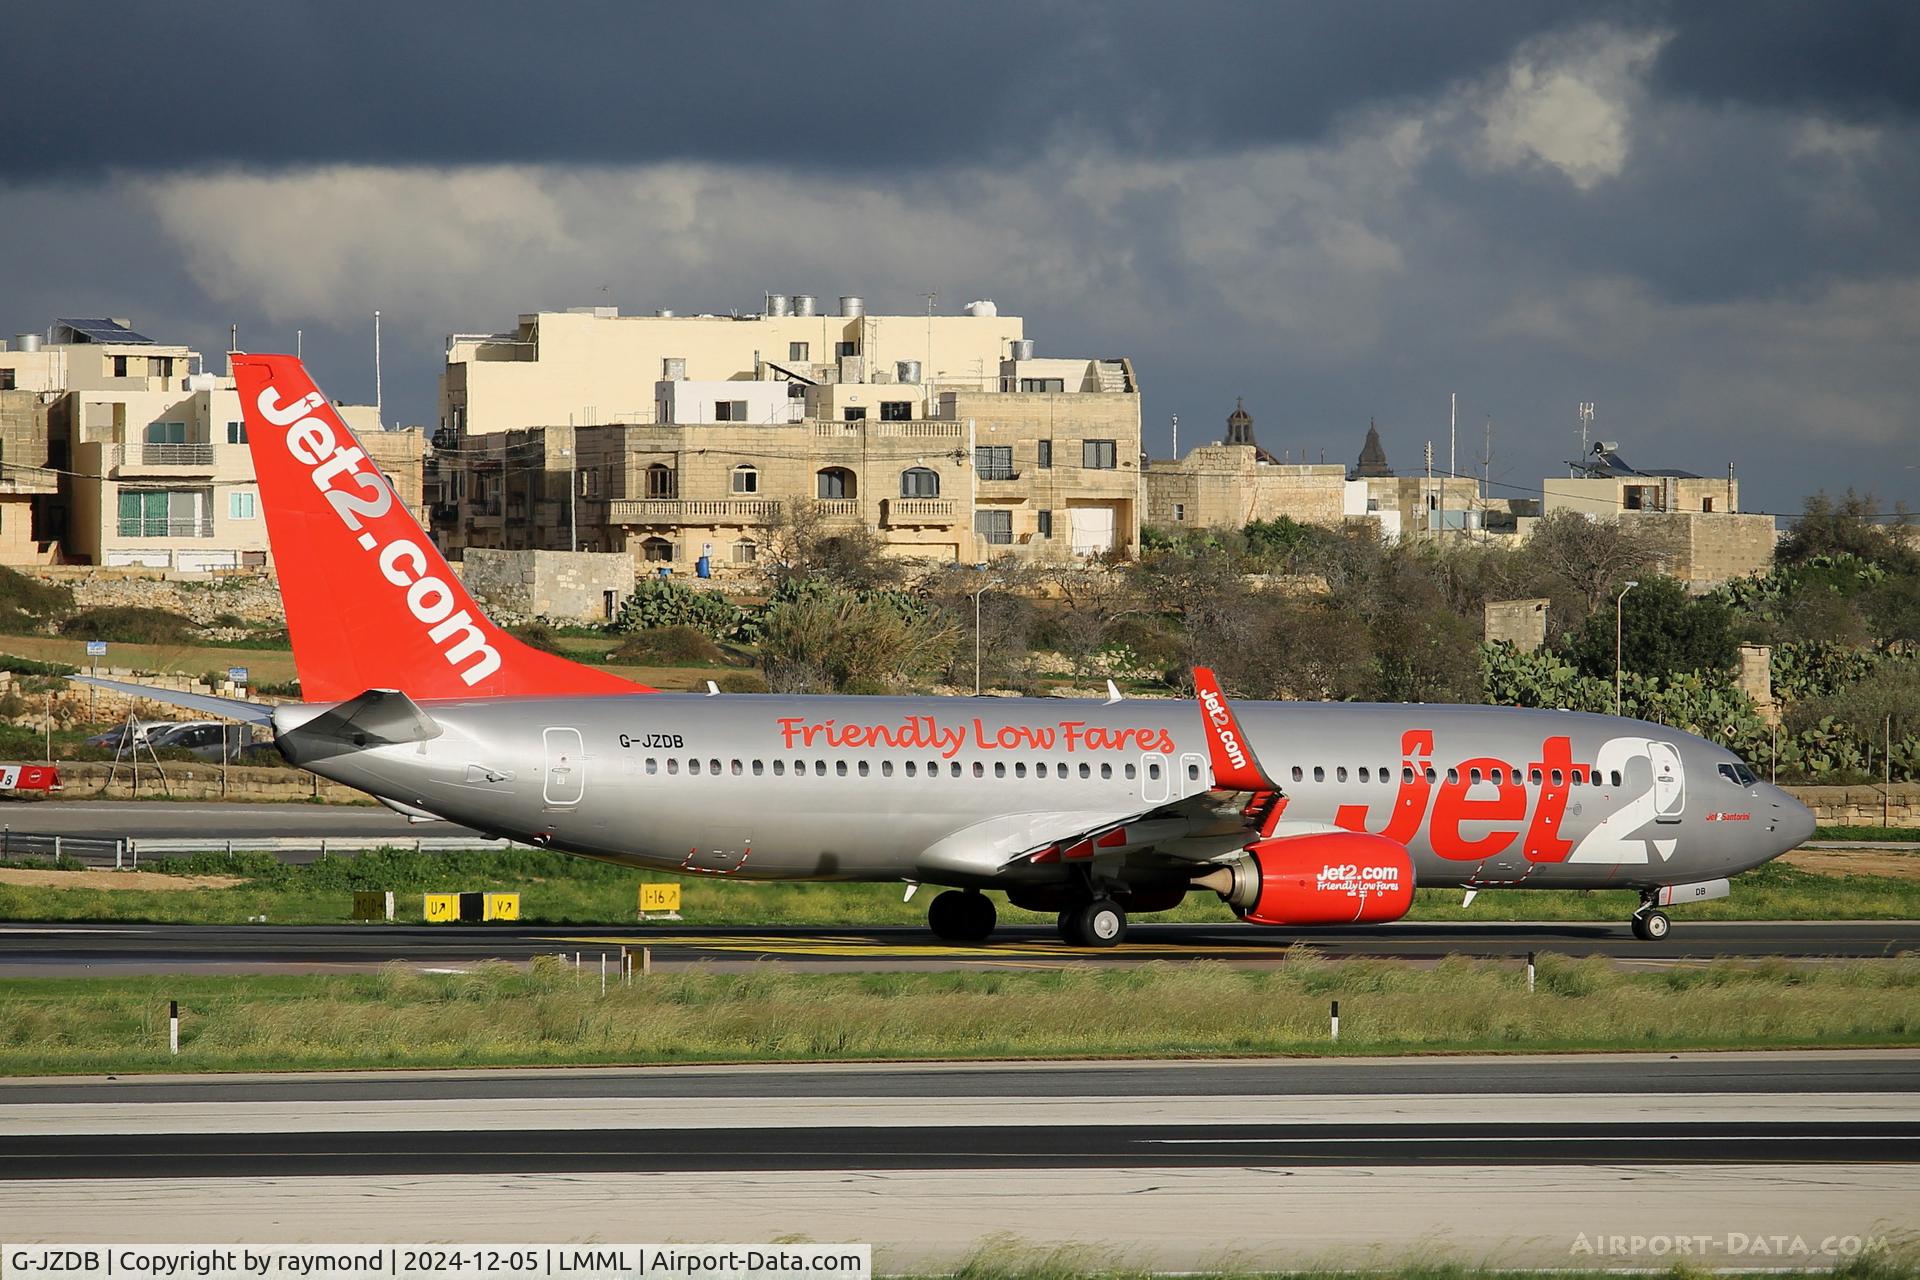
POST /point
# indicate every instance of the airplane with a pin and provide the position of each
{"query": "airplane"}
(1295, 814)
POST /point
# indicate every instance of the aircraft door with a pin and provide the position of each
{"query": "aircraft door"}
(1669, 782)
(566, 775)
(1154, 782)
(1193, 774)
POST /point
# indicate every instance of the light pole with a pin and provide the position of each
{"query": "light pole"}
(981, 590)
(1618, 606)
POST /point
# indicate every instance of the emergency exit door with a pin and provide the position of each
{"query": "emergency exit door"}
(566, 775)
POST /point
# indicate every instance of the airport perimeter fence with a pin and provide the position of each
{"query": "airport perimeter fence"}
(123, 853)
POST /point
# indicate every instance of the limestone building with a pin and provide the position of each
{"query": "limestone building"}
(978, 450)
(139, 457)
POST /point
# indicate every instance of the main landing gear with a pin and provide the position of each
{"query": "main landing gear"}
(962, 916)
(1650, 924)
(1099, 923)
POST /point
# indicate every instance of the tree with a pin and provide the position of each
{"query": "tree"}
(1853, 525)
(802, 541)
(1592, 557)
(831, 641)
(1662, 632)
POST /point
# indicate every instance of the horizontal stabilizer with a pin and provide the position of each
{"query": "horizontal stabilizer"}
(378, 717)
(205, 703)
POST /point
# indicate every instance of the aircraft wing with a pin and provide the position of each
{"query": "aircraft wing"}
(1242, 801)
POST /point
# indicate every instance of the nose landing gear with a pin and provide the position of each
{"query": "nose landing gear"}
(1650, 924)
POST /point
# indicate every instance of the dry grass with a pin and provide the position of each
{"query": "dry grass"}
(501, 1014)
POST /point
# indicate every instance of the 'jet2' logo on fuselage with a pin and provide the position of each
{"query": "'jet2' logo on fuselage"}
(363, 495)
(1217, 712)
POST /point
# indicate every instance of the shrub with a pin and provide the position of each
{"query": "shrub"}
(675, 646)
(538, 635)
(131, 624)
(25, 603)
(663, 602)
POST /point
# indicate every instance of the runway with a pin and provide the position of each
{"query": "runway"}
(28, 950)
(1510, 1161)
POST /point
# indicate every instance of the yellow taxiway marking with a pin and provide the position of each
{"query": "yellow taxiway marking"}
(859, 946)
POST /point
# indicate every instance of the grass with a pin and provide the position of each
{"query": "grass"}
(275, 666)
(559, 889)
(547, 1014)
(1866, 833)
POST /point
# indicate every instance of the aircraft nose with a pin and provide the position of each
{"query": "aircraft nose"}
(1793, 822)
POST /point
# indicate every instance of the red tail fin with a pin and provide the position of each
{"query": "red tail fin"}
(370, 602)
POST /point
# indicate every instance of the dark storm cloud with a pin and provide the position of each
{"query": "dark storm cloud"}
(869, 85)
(1854, 61)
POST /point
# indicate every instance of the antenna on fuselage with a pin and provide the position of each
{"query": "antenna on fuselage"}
(712, 688)
(1113, 693)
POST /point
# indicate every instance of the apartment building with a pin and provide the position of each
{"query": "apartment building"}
(1696, 521)
(591, 365)
(996, 452)
(145, 456)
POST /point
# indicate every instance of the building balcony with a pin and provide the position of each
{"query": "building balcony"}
(154, 458)
(898, 513)
(838, 508)
(141, 527)
(718, 511)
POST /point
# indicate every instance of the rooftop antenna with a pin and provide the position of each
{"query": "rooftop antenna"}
(1586, 424)
(1486, 460)
(1176, 437)
(378, 414)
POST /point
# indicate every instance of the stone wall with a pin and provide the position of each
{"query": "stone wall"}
(1862, 806)
(252, 596)
(1521, 622)
(190, 780)
(549, 584)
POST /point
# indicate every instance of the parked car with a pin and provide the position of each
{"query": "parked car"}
(207, 739)
(144, 731)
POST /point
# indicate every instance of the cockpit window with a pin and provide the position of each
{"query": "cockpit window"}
(1738, 774)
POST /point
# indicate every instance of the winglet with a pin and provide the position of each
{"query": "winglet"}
(1235, 767)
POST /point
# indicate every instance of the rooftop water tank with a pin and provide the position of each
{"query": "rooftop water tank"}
(908, 370)
(852, 306)
(777, 305)
(664, 313)
(26, 342)
(803, 304)
(984, 307)
(1022, 348)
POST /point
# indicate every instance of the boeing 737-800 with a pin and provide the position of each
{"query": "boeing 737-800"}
(1296, 814)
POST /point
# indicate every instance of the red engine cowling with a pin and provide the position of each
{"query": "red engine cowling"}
(1334, 877)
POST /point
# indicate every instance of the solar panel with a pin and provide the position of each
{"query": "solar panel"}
(102, 331)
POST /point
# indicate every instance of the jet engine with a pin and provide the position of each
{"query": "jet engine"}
(1335, 877)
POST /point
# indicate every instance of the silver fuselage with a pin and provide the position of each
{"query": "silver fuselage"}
(955, 791)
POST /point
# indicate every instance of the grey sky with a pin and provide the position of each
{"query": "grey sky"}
(1700, 216)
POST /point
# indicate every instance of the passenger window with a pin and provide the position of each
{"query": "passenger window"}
(653, 765)
(779, 768)
(999, 768)
(1020, 769)
(1453, 775)
(1534, 777)
(1153, 771)
(1132, 773)
(865, 769)
(1297, 775)
(1061, 768)
(1040, 769)
(820, 767)
(1319, 773)
(673, 766)
(1385, 776)
(693, 766)
(1193, 773)
(737, 770)
(953, 770)
(1559, 779)
(840, 767)
(1499, 777)
(1406, 774)
(1616, 776)
(1086, 771)
(1363, 774)
(1432, 777)
(1473, 776)
(979, 770)
(1579, 776)
(913, 769)
(1340, 774)
(715, 766)
(886, 768)
(1106, 771)
(758, 768)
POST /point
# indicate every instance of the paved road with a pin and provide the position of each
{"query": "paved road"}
(1172, 1165)
(29, 949)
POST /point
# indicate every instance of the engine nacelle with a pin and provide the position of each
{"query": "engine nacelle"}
(1334, 877)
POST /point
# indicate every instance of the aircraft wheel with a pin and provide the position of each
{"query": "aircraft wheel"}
(958, 916)
(1653, 926)
(1100, 923)
(1063, 925)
